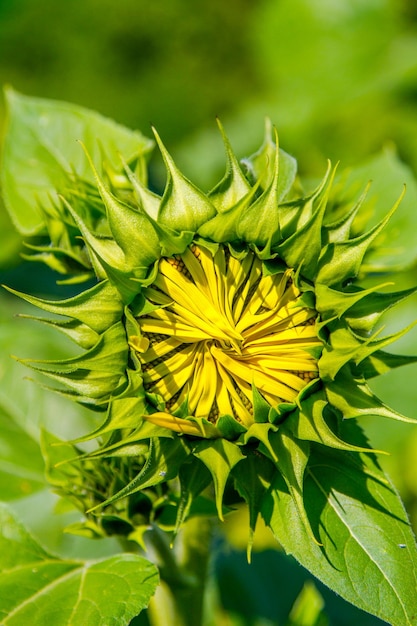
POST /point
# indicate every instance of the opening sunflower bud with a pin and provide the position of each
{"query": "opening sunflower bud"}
(225, 330)
(229, 341)
(219, 327)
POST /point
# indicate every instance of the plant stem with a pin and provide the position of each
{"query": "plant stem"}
(179, 600)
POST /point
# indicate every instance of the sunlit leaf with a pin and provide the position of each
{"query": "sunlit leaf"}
(41, 149)
(39, 588)
(368, 553)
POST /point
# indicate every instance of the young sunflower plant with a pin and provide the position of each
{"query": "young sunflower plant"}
(226, 347)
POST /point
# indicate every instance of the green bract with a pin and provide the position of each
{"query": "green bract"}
(227, 341)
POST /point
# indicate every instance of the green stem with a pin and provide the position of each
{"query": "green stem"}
(180, 598)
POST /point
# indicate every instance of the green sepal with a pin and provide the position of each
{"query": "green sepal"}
(169, 240)
(223, 227)
(273, 266)
(163, 462)
(261, 407)
(381, 362)
(252, 479)
(124, 410)
(61, 261)
(340, 229)
(183, 206)
(259, 222)
(234, 185)
(331, 303)
(346, 346)
(71, 253)
(366, 313)
(98, 307)
(143, 431)
(207, 429)
(362, 308)
(194, 477)
(261, 165)
(131, 323)
(146, 199)
(121, 413)
(302, 249)
(124, 448)
(94, 374)
(229, 427)
(80, 333)
(109, 261)
(309, 424)
(341, 261)
(77, 279)
(261, 432)
(220, 457)
(295, 213)
(353, 398)
(132, 229)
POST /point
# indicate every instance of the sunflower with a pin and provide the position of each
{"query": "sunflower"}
(226, 335)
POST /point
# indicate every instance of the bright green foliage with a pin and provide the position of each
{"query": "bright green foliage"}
(296, 457)
(44, 159)
(39, 588)
(357, 551)
(21, 467)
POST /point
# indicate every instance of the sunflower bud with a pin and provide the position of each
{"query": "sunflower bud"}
(226, 334)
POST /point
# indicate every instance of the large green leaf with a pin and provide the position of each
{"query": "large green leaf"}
(38, 588)
(41, 149)
(21, 465)
(367, 553)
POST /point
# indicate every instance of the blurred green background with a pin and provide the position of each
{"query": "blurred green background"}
(339, 80)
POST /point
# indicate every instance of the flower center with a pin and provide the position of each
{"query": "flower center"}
(217, 326)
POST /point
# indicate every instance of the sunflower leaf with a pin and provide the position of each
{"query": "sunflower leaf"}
(39, 588)
(41, 149)
(367, 554)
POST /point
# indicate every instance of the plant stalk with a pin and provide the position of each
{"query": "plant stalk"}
(179, 600)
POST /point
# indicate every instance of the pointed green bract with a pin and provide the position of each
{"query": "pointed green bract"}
(220, 457)
(98, 307)
(263, 164)
(183, 206)
(234, 185)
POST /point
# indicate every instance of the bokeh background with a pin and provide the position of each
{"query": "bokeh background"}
(339, 80)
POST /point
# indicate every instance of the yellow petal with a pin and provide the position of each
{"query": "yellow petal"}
(177, 424)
